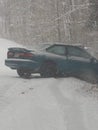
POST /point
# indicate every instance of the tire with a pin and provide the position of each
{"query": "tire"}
(23, 73)
(48, 69)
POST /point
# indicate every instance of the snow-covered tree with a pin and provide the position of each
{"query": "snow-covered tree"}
(33, 21)
(93, 18)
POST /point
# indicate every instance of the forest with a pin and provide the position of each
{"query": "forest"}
(35, 21)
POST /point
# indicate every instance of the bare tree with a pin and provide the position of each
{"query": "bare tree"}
(33, 21)
(93, 18)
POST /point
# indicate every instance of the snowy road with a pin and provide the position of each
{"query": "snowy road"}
(71, 110)
(40, 104)
(29, 102)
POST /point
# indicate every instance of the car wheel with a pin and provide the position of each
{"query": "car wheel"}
(23, 73)
(48, 70)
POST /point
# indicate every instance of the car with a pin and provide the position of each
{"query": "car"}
(53, 60)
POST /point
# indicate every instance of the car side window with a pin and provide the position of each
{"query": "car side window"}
(59, 50)
(78, 52)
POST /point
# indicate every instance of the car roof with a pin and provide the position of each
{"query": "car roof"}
(58, 43)
(61, 43)
(49, 44)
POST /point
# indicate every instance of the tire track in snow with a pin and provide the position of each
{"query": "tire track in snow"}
(8, 90)
(71, 109)
(13, 87)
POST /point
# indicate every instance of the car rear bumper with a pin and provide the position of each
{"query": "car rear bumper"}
(22, 63)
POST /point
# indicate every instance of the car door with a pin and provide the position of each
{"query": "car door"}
(60, 57)
(78, 60)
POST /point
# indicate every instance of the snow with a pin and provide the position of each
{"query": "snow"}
(45, 103)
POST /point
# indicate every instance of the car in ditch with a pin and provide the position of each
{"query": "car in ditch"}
(53, 60)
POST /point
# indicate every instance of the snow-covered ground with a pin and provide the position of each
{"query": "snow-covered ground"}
(45, 104)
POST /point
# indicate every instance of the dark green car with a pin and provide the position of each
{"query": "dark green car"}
(53, 60)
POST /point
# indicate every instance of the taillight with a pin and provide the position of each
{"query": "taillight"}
(10, 54)
(26, 55)
(23, 55)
